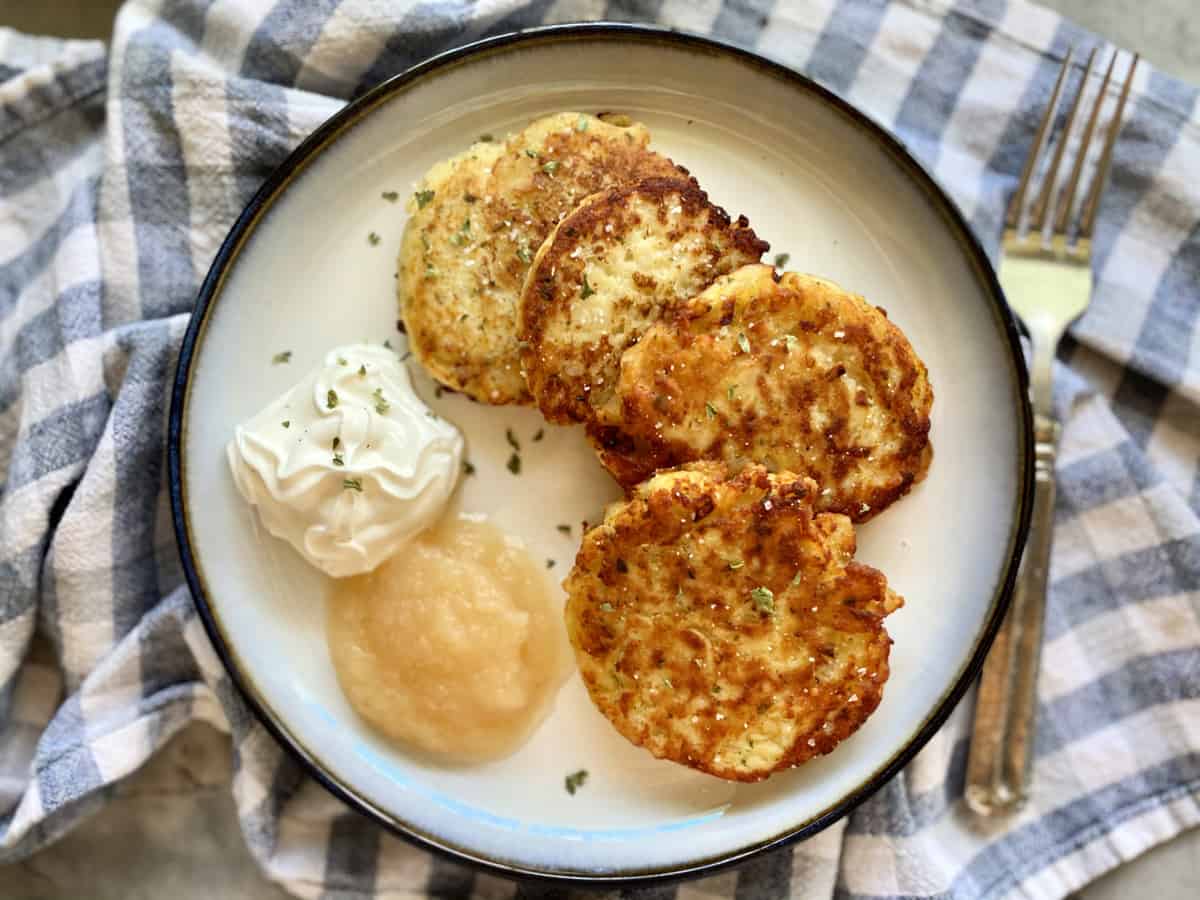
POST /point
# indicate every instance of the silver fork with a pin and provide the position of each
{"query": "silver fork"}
(1048, 283)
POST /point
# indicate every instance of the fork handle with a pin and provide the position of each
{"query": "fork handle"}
(1002, 740)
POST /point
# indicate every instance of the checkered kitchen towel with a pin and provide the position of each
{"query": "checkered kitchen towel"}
(119, 176)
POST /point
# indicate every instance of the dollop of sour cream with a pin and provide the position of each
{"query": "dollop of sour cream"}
(350, 464)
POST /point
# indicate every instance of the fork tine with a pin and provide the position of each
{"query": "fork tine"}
(1038, 216)
(1092, 203)
(1064, 206)
(1013, 217)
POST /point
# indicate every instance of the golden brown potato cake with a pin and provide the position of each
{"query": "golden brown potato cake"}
(460, 325)
(788, 371)
(721, 623)
(467, 249)
(608, 272)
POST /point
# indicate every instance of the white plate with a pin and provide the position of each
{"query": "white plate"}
(817, 180)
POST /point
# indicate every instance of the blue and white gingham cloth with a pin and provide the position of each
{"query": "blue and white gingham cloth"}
(120, 173)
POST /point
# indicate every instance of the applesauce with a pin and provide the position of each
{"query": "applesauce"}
(453, 645)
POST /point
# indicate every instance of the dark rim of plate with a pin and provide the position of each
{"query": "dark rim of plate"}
(338, 124)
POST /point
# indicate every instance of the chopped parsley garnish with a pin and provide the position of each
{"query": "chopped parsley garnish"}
(550, 563)
(731, 391)
(405, 357)
(337, 460)
(524, 255)
(381, 403)
(667, 682)
(606, 607)
(362, 370)
(337, 442)
(514, 464)
(352, 484)
(743, 342)
(581, 123)
(463, 235)
(532, 154)
(538, 435)
(390, 196)
(587, 289)
(282, 357)
(423, 198)
(781, 259)
(331, 400)
(431, 272)
(512, 439)
(341, 360)
(287, 423)
(711, 410)
(565, 529)
(550, 166)
(468, 469)
(387, 343)
(372, 238)
(485, 138)
(575, 781)
(735, 564)
(764, 599)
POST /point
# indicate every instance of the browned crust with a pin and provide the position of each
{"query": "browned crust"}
(466, 335)
(655, 579)
(681, 371)
(567, 390)
(599, 162)
(459, 326)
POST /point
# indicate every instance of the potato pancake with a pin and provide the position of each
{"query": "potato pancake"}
(789, 371)
(459, 325)
(720, 622)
